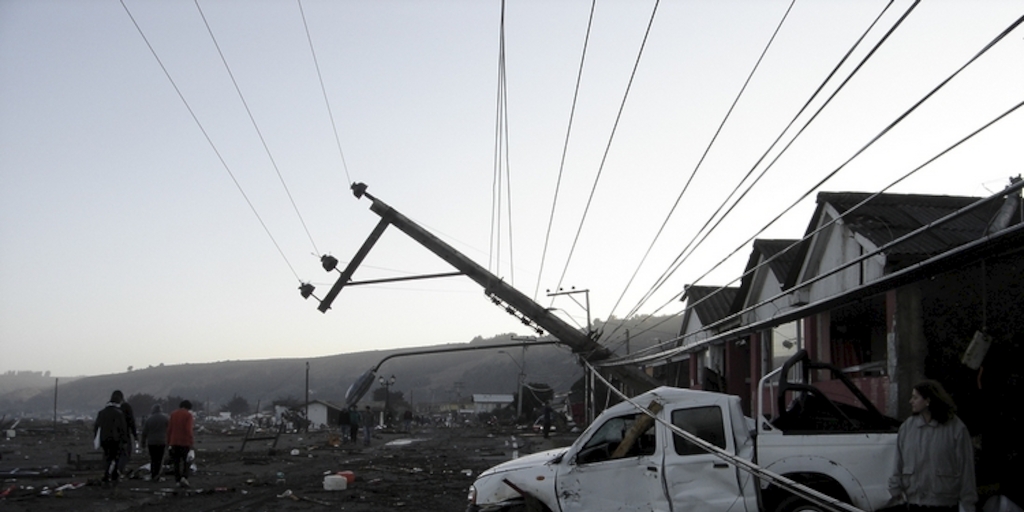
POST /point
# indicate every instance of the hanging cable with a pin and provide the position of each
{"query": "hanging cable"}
(496, 183)
(508, 187)
(565, 148)
(800, 112)
(502, 179)
(839, 218)
(323, 89)
(694, 243)
(608, 146)
(209, 140)
(877, 137)
(697, 167)
(256, 126)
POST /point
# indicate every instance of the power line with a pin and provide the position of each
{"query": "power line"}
(611, 138)
(323, 88)
(209, 140)
(565, 147)
(903, 116)
(876, 137)
(893, 124)
(1013, 188)
(697, 167)
(494, 259)
(694, 243)
(502, 162)
(255, 125)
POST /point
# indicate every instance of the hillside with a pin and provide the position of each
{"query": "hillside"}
(420, 378)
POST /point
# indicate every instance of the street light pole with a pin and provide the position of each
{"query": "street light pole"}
(519, 381)
(387, 383)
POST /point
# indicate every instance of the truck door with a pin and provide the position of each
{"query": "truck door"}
(594, 480)
(697, 480)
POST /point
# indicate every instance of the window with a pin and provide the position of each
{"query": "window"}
(610, 435)
(703, 422)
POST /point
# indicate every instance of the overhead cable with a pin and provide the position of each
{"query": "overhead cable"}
(256, 126)
(697, 167)
(694, 243)
(501, 162)
(209, 140)
(864, 148)
(1016, 187)
(565, 147)
(608, 146)
(323, 89)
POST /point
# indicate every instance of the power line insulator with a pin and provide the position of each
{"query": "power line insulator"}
(329, 262)
(306, 290)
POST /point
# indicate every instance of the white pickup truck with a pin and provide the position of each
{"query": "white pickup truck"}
(842, 450)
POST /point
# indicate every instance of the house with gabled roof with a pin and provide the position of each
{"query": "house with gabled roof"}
(856, 239)
(706, 306)
(893, 289)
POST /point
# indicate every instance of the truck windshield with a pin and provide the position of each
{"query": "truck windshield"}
(610, 434)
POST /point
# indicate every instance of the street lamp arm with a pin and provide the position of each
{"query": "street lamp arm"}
(358, 389)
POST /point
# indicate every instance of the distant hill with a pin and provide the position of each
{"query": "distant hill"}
(421, 378)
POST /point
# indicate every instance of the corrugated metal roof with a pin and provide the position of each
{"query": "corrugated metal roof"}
(716, 307)
(890, 216)
(480, 398)
(780, 266)
(786, 250)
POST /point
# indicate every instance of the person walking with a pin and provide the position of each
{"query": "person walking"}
(934, 469)
(111, 429)
(180, 440)
(154, 438)
(354, 421)
(133, 437)
(368, 424)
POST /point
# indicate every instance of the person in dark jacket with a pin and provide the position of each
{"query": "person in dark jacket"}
(368, 423)
(354, 420)
(154, 437)
(111, 429)
(133, 436)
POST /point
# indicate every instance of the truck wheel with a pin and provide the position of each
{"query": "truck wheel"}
(798, 504)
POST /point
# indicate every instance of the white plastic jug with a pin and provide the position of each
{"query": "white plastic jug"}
(335, 483)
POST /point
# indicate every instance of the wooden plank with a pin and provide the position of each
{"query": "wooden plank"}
(639, 426)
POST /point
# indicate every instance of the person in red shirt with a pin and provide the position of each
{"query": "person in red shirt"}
(180, 440)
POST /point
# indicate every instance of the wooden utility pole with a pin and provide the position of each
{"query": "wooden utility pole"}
(307, 396)
(56, 381)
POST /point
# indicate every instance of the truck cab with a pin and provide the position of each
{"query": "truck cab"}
(653, 470)
(829, 451)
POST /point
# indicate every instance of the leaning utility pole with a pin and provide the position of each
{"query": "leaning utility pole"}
(500, 292)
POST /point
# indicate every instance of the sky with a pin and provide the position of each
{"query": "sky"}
(170, 171)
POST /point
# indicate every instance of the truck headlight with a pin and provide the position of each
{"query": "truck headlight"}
(472, 495)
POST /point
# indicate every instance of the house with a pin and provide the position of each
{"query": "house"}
(491, 402)
(707, 306)
(893, 289)
(324, 414)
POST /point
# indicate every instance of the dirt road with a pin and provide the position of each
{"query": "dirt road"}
(427, 469)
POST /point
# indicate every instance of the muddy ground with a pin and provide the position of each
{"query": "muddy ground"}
(426, 469)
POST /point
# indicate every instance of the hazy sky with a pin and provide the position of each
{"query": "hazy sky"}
(125, 241)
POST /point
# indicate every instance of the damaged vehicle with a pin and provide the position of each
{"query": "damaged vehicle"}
(839, 447)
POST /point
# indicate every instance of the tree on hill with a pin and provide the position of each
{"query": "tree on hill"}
(237, 406)
(172, 402)
(142, 403)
